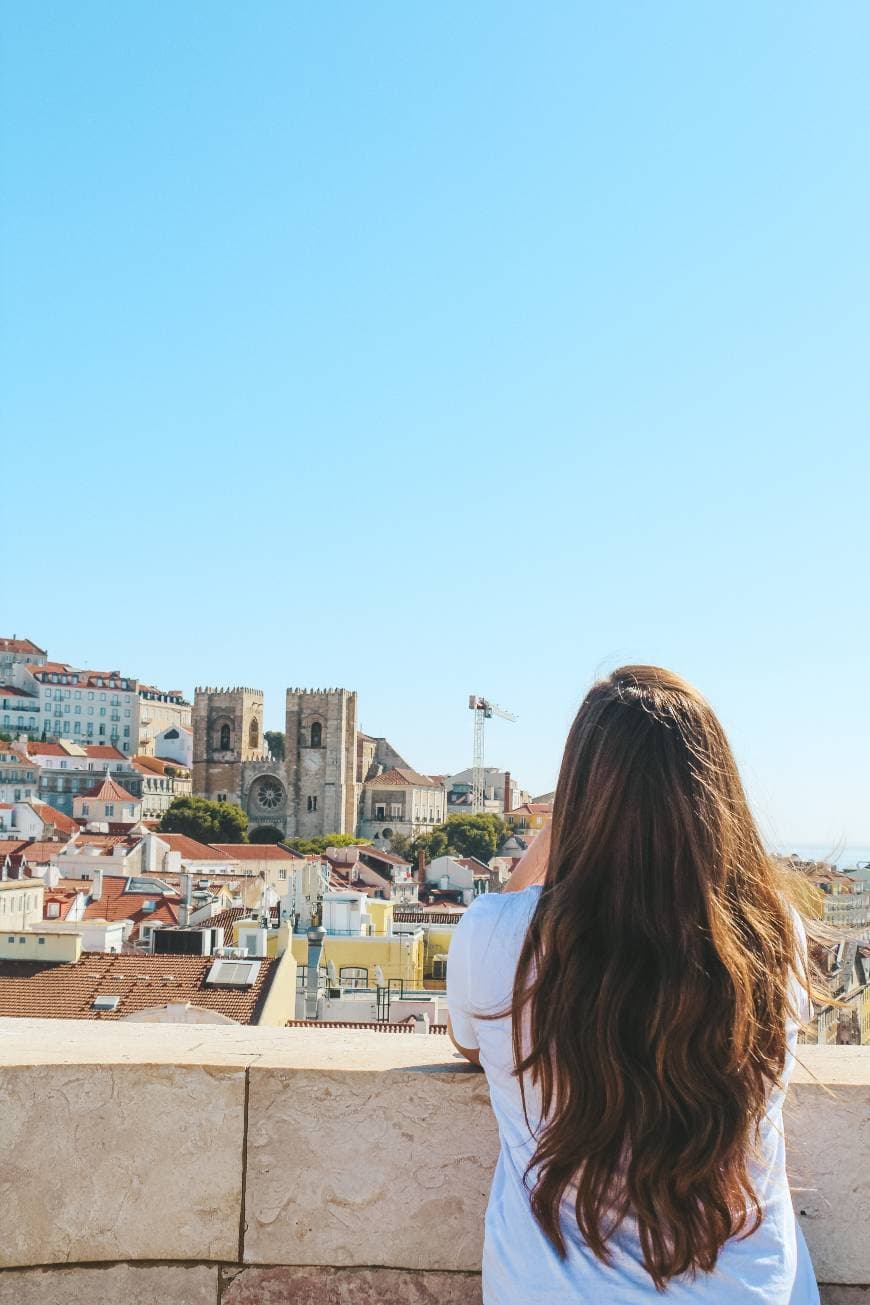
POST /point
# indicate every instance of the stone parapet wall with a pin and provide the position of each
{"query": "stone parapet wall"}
(188, 1164)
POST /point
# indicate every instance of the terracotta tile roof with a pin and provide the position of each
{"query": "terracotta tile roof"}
(115, 903)
(20, 646)
(36, 853)
(9, 846)
(225, 920)
(479, 868)
(533, 809)
(254, 851)
(10, 691)
(156, 765)
(401, 778)
(108, 791)
(36, 990)
(51, 816)
(190, 849)
(110, 681)
(106, 841)
(105, 751)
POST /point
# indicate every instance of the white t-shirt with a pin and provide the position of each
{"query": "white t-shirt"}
(520, 1266)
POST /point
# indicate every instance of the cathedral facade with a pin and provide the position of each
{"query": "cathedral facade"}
(316, 789)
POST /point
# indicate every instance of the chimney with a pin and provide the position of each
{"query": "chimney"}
(186, 899)
(421, 868)
(97, 885)
(508, 805)
(316, 936)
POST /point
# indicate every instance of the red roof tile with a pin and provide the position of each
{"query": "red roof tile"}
(20, 646)
(108, 791)
(254, 851)
(36, 990)
(401, 778)
(51, 816)
(190, 849)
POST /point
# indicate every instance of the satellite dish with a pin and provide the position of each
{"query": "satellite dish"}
(380, 981)
(331, 973)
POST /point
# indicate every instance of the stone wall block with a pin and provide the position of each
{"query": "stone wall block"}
(315, 1286)
(368, 1168)
(827, 1133)
(121, 1162)
(132, 1284)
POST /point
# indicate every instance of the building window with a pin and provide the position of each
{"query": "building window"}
(312, 804)
(316, 734)
(254, 735)
(353, 976)
(109, 810)
(225, 738)
(282, 874)
(86, 810)
(395, 810)
(380, 811)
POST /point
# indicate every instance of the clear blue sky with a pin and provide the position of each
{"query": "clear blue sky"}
(430, 349)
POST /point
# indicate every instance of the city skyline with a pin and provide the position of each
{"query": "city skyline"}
(443, 352)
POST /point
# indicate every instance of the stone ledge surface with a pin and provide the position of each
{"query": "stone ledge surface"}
(134, 1284)
(359, 1144)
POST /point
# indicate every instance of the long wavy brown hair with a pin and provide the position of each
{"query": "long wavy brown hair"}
(653, 988)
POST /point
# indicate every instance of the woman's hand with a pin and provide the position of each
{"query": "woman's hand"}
(532, 865)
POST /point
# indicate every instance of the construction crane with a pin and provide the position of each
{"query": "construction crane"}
(483, 710)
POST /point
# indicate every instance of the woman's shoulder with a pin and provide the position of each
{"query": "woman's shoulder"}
(502, 912)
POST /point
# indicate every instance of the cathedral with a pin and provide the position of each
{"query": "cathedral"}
(316, 789)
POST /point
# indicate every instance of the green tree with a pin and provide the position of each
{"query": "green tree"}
(206, 821)
(471, 835)
(275, 743)
(477, 835)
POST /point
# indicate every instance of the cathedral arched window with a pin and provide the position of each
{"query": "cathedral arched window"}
(254, 734)
(316, 734)
(225, 738)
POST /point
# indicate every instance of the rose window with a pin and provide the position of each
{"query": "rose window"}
(269, 794)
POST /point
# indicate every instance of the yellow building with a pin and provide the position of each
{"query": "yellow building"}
(530, 816)
(399, 955)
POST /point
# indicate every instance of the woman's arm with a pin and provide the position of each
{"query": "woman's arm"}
(532, 866)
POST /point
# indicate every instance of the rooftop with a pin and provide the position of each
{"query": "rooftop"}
(254, 851)
(402, 778)
(36, 990)
(15, 645)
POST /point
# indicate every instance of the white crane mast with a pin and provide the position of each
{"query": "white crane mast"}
(483, 710)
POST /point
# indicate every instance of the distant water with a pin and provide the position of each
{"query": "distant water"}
(842, 857)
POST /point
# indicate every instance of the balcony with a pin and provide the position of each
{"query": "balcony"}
(189, 1165)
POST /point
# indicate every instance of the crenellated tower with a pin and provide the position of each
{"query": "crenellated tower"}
(321, 745)
(227, 733)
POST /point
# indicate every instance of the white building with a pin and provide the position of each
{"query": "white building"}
(175, 743)
(20, 711)
(500, 792)
(461, 874)
(401, 801)
(107, 803)
(86, 706)
(161, 710)
(18, 652)
(35, 820)
(162, 782)
(19, 775)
